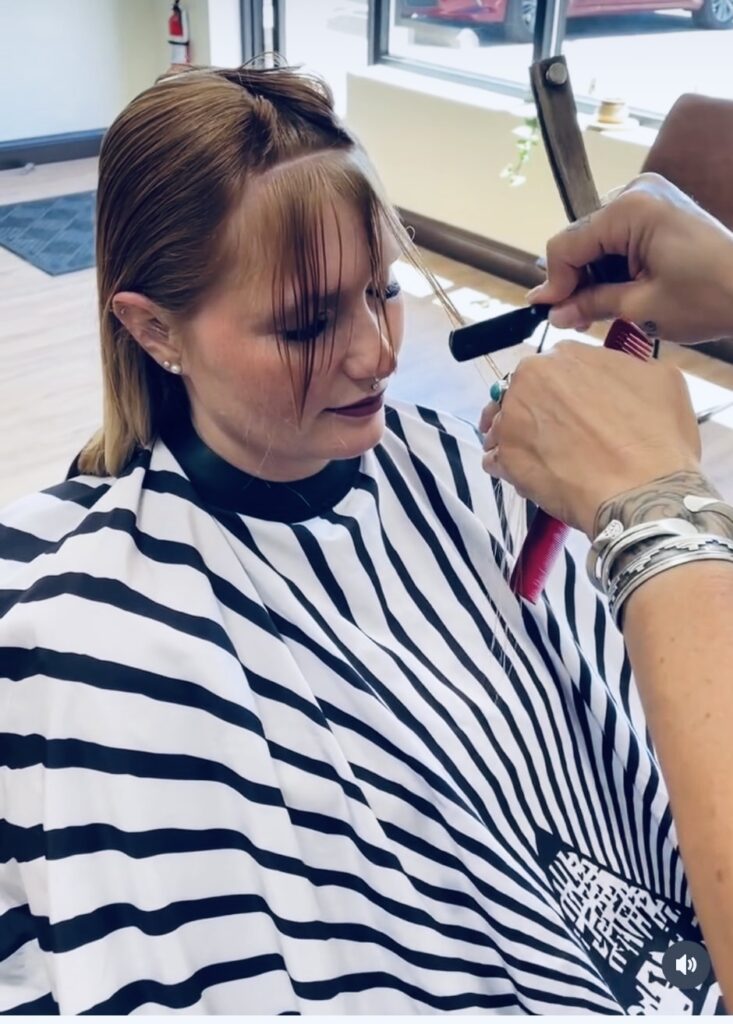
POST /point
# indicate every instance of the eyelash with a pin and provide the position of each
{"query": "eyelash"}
(392, 290)
(317, 328)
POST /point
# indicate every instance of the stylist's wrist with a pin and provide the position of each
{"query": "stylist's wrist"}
(662, 497)
(651, 489)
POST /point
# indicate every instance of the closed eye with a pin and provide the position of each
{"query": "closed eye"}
(391, 291)
(309, 333)
(316, 329)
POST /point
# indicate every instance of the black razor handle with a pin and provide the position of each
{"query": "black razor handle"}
(489, 336)
(499, 332)
(611, 269)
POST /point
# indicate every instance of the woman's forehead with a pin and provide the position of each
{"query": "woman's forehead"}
(343, 248)
(335, 250)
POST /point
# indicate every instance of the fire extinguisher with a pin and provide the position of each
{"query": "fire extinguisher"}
(178, 36)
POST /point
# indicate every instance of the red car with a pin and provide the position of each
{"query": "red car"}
(517, 16)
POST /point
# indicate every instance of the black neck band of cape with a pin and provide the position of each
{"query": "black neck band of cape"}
(222, 485)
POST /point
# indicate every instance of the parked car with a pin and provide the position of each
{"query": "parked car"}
(517, 16)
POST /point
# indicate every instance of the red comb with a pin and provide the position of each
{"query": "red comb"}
(546, 535)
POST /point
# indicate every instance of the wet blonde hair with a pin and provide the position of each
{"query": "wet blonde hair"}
(174, 168)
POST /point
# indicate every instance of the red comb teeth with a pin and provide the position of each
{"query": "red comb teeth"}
(627, 337)
(546, 535)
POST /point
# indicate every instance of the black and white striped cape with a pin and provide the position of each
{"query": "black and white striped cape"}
(270, 751)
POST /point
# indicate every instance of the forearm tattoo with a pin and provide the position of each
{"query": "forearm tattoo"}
(662, 499)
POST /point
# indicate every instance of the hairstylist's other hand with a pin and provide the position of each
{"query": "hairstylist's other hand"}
(580, 425)
(680, 259)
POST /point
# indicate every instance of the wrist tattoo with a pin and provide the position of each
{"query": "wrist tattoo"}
(663, 498)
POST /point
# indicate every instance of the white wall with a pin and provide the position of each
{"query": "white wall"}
(440, 148)
(71, 65)
(60, 66)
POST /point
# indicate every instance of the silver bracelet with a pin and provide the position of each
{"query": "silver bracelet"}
(651, 552)
(612, 541)
(667, 554)
(660, 564)
(615, 539)
(656, 552)
(617, 607)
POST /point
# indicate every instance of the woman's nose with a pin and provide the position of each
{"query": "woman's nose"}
(370, 353)
(387, 362)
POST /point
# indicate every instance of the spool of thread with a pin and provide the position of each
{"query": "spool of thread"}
(612, 112)
(612, 115)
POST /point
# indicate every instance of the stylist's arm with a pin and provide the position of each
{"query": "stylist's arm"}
(593, 435)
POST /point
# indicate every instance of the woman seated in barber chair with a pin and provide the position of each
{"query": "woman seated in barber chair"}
(277, 736)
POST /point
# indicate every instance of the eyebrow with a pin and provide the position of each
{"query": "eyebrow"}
(331, 299)
(328, 301)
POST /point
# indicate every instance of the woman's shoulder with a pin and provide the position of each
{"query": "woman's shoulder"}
(40, 525)
(37, 526)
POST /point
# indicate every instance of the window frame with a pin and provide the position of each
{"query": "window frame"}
(252, 29)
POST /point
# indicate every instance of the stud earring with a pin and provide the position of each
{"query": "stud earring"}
(375, 384)
(166, 365)
(175, 368)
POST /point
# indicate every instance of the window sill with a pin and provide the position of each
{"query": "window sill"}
(444, 144)
(486, 98)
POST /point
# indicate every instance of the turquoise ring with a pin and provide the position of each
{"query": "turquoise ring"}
(499, 388)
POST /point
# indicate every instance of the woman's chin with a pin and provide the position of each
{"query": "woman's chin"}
(353, 436)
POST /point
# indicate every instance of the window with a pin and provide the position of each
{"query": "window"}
(482, 42)
(649, 57)
(642, 52)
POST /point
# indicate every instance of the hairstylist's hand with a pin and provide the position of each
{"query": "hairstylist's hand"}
(580, 425)
(680, 259)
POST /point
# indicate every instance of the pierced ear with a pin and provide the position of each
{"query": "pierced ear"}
(146, 322)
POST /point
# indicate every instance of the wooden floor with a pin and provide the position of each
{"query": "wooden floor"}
(50, 399)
